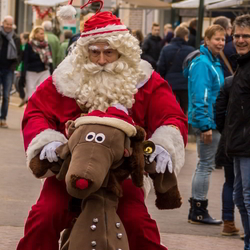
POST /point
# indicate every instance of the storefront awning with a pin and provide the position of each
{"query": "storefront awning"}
(51, 3)
(226, 4)
(193, 4)
(149, 4)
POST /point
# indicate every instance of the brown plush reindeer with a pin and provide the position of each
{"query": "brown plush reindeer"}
(103, 150)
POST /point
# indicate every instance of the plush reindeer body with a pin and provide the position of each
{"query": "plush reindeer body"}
(96, 159)
(98, 226)
(103, 165)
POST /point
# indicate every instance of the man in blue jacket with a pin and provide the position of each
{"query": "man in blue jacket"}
(170, 65)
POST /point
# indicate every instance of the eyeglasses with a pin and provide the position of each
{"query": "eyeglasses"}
(244, 36)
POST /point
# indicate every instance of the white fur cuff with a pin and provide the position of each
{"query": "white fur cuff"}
(147, 185)
(170, 138)
(38, 142)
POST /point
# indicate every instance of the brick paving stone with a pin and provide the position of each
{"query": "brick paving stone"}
(9, 236)
(197, 242)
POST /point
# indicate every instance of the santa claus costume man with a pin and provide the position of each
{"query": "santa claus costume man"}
(103, 70)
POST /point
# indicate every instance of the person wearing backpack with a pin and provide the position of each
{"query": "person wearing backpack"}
(205, 78)
(170, 62)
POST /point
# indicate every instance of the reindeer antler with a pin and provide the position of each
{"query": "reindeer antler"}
(94, 1)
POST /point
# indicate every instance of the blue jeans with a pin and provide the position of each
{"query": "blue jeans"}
(227, 194)
(6, 79)
(205, 165)
(241, 194)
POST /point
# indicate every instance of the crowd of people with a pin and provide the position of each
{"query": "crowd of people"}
(164, 84)
(33, 57)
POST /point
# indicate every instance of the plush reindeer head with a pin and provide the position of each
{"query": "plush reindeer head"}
(98, 146)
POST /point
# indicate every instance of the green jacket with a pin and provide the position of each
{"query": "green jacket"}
(55, 47)
(62, 51)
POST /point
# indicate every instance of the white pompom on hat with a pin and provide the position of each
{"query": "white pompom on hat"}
(67, 12)
(99, 24)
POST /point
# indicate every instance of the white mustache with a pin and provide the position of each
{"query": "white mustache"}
(111, 68)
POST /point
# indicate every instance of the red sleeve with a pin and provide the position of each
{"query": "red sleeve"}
(40, 112)
(163, 109)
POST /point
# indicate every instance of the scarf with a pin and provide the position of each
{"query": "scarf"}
(12, 51)
(42, 48)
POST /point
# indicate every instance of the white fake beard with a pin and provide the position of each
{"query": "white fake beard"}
(104, 86)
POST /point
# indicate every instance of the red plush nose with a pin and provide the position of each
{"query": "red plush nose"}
(82, 184)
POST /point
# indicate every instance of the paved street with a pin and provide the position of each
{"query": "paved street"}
(19, 190)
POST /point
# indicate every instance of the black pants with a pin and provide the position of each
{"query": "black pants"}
(182, 98)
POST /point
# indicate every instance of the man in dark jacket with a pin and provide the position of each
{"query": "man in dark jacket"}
(229, 49)
(152, 45)
(170, 65)
(192, 29)
(222, 159)
(238, 125)
(10, 54)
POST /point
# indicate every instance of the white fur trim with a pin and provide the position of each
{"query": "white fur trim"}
(64, 84)
(147, 70)
(108, 28)
(147, 185)
(121, 107)
(129, 129)
(38, 142)
(170, 138)
(66, 12)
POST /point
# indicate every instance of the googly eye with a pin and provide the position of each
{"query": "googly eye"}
(100, 138)
(90, 136)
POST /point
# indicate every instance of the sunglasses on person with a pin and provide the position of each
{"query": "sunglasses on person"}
(244, 36)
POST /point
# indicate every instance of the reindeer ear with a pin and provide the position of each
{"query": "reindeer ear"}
(127, 147)
(63, 151)
(140, 134)
(69, 128)
(136, 160)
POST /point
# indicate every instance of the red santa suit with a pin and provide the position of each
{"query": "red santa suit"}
(54, 103)
(155, 109)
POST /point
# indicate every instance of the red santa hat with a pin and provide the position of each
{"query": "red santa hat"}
(99, 24)
(113, 117)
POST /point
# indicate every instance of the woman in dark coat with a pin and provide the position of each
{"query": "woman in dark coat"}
(37, 61)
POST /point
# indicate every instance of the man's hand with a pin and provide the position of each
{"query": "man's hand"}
(49, 151)
(163, 159)
(206, 137)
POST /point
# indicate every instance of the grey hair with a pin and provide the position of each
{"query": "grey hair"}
(8, 17)
(242, 21)
(47, 25)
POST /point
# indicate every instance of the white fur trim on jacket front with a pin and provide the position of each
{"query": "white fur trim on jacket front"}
(65, 82)
(38, 142)
(147, 185)
(147, 70)
(170, 138)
